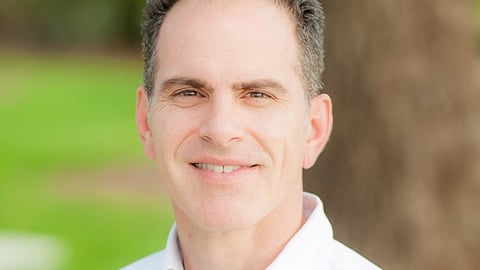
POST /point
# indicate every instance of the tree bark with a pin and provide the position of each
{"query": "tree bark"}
(400, 177)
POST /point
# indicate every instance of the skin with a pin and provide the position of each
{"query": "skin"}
(228, 93)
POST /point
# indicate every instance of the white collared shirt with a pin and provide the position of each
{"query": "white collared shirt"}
(311, 248)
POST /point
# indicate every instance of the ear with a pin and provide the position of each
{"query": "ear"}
(319, 128)
(143, 125)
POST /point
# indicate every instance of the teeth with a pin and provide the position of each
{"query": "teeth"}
(228, 169)
(217, 168)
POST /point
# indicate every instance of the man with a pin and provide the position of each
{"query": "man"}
(231, 112)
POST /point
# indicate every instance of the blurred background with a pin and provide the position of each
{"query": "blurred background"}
(400, 177)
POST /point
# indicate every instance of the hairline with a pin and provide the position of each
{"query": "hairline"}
(301, 67)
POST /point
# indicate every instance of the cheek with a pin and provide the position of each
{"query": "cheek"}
(173, 123)
(169, 130)
(282, 133)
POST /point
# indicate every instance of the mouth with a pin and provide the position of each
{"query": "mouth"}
(219, 168)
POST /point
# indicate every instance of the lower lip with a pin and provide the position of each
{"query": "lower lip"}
(236, 176)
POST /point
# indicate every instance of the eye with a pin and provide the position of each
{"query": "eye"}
(187, 97)
(258, 95)
(258, 98)
(188, 93)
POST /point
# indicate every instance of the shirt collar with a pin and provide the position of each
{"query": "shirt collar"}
(311, 246)
(173, 254)
(316, 234)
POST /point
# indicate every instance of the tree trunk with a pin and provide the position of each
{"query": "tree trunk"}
(400, 178)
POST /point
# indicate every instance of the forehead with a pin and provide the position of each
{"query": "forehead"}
(223, 40)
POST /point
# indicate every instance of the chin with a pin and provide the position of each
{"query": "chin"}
(229, 219)
(222, 209)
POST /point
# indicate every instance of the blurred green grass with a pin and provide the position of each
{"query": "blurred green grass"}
(73, 110)
(62, 112)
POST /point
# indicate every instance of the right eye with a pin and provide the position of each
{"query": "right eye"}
(187, 93)
(187, 97)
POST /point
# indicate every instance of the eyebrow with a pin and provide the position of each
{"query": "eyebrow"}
(183, 81)
(261, 84)
(201, 84)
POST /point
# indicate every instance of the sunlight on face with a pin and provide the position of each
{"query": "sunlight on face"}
(228, 112)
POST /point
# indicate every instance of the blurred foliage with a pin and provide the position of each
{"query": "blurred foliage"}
(66, 109)
(63, 113)
(61, 23)
(70, 113)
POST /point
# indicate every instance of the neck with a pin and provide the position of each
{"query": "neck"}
(252, 248)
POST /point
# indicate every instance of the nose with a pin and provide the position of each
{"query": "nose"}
(222, 125)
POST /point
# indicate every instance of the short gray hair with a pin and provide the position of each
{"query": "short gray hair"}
(309, 22)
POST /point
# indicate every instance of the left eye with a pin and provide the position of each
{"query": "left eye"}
(257, 95)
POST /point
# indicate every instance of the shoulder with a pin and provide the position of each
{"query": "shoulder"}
(344, 257)
(150, 262)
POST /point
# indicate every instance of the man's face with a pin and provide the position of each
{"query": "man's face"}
(228, 118)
